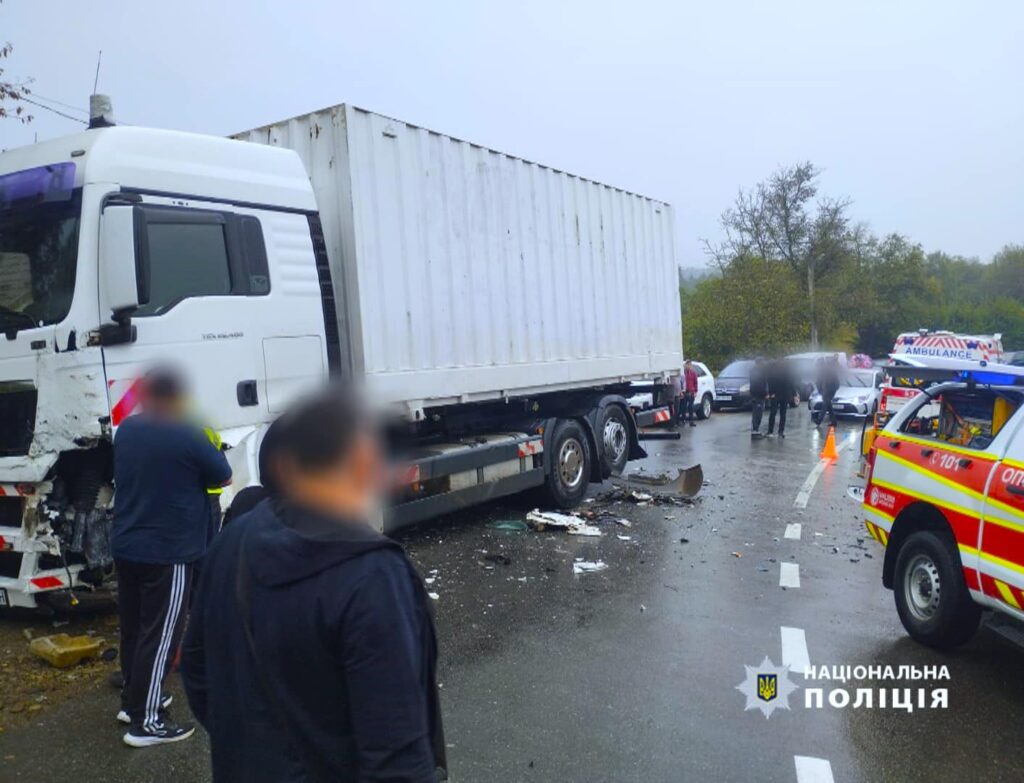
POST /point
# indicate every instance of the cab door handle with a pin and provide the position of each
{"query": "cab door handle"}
(965, 462)
(927, 452)
(894, 444)
(1019, 491)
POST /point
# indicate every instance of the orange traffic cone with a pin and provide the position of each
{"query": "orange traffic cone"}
(829, 452)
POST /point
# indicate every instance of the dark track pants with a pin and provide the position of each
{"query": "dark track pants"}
(781, 407)
(151, 602)
(756, 412)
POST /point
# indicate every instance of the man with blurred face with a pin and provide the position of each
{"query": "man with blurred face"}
(310, 654)
(163, 466)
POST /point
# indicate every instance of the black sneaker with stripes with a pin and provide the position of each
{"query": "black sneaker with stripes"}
(165, 702)
(158, 734)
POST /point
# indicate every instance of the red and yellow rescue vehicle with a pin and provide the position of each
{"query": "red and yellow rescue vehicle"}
(945, 496)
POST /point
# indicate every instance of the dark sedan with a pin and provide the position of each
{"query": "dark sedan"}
(732, 386)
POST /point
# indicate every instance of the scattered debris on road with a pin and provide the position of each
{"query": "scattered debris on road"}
(686, 483)
(574, 526)
(586, 567)
(62, 651)
(510, 525)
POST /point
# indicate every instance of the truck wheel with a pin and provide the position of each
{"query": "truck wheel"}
(704, 411)
(569, 473)
(615, 441)
(932, 598)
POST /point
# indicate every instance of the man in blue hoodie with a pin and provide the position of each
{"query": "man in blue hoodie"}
(163, 466)
(310, 654)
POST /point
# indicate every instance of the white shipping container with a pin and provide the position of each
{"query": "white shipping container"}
(462, 273)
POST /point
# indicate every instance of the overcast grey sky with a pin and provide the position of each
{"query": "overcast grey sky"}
(915, 110)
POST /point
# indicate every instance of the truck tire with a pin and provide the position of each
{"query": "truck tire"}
(706, 407)
(614, 434)
(932, 598)
(569, 474)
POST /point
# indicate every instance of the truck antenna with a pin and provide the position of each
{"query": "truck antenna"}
(96, 81)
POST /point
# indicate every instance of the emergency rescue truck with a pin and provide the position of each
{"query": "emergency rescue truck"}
(945, 497)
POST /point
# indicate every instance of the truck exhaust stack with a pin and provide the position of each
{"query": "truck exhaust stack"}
(101, 112)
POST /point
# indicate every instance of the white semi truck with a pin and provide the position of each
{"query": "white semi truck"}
(501, 308)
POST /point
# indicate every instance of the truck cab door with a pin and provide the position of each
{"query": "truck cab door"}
(1002, 543)
(206, 271)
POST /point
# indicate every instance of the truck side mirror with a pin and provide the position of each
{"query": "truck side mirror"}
(124, 275)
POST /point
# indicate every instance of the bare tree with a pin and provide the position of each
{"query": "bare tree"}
(12, 93)
(782, 219)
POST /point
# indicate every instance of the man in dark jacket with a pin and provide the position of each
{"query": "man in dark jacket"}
(310, 654)
(163, 466)
(828, 384)
(758, 394)
(781, 391)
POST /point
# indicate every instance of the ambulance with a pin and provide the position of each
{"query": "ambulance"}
(945, 497)
(921, 348)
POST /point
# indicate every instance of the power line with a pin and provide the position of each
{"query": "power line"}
(59, 103)
(55, 111)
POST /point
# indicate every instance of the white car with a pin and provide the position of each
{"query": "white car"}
(857, 396)
(703, 403)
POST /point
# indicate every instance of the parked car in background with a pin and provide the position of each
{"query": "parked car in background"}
(732, 387)
(805, 369)
(704, 403)
(857, 395)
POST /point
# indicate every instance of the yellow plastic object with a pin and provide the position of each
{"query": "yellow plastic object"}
(869, 440)
(62, 651)
(1002, 410)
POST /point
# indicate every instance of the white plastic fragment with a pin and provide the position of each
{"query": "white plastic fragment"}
(587, 567)
(434, 596)
(574, 526)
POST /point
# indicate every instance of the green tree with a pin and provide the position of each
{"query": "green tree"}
(784, 219)
(754, 306)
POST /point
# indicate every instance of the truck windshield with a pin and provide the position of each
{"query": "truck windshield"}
(38, 250)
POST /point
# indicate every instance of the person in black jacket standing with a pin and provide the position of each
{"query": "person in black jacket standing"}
(758, 394)
(781, 391)
(163, 466)
(311, 653)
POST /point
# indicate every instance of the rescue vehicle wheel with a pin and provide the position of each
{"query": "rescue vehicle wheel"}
(932, 598)
(704, 411)
(569, 471)
(615, 441)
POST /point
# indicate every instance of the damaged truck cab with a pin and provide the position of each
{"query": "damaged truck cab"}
(82, 316)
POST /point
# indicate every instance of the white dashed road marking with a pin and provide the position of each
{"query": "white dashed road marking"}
(804, 495)
(793, 530)
(789, 575)
(812, 770)
(794, 649)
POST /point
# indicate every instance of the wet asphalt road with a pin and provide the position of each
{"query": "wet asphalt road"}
(629, 674)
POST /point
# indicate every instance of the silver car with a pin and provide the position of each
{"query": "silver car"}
(858, 394)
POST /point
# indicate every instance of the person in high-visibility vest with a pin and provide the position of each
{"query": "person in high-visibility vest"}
(214, 493)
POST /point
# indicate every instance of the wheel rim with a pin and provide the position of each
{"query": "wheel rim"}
(922, 587)
(614, 439)
(570, 463)
(707, 407)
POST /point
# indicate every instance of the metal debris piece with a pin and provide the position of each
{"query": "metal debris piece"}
(687, 483)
